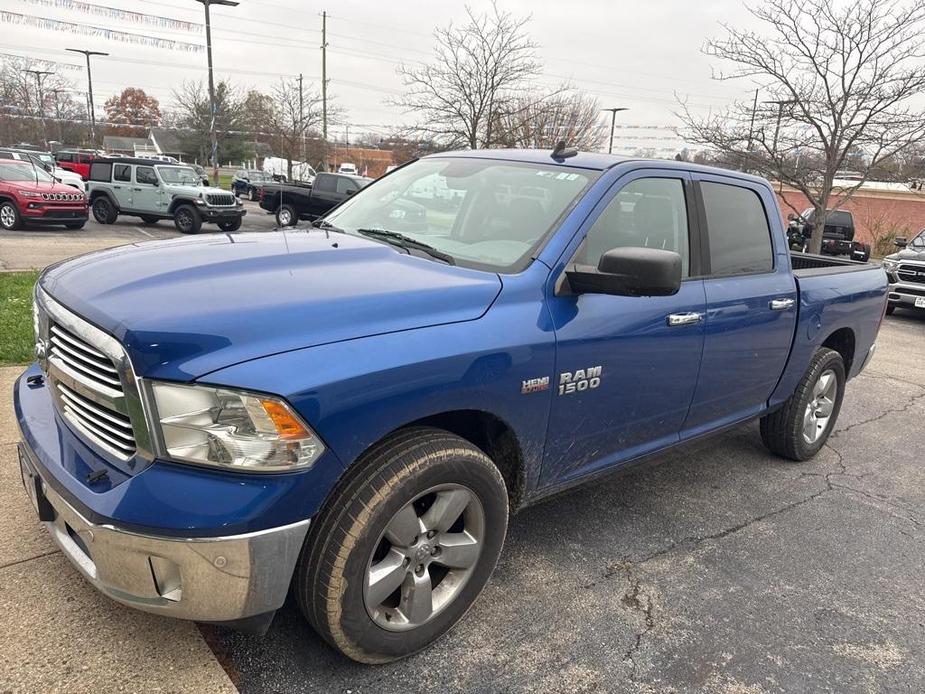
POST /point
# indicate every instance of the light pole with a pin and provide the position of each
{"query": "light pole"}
(92, 108)
(212, 134)
(613, 124)
(39, 74)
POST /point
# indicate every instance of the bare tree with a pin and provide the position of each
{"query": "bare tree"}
(191, 117)
(480, 67)
(292, 119)
(839, 79)
(541, 122)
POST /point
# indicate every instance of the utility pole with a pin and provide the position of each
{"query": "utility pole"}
(324, 86)
(301, 122)
(58, 114)
(212, 107)
(780, 114)
(91, 107)
(39, 74)
(751, 124)
(613, 124)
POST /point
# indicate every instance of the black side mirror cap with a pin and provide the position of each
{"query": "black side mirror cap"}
(901, 241)
(628, 271)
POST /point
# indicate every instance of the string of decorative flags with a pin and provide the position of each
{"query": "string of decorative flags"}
(44, 63)
(120, 14)
(103, 32)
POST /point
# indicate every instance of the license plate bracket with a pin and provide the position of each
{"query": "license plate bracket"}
(34, 489)
(920, 302)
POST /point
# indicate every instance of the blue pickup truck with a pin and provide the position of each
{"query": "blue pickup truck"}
(350, 411)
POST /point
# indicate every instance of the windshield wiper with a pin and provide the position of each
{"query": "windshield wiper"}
(324, 224)
(407, 242)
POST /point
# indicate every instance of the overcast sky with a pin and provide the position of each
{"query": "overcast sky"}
(632, 54)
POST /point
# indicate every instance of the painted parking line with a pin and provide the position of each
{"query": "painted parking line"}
(139, 229)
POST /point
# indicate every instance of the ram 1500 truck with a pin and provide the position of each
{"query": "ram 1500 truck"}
(291, 202)
(905, 271)
(349, 412)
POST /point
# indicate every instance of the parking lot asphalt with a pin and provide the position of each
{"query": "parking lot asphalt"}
(717, 568)
(38, 246)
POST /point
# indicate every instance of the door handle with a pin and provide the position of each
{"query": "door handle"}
(781, 304)
(676, 319)
(118, 187)
(138, 189)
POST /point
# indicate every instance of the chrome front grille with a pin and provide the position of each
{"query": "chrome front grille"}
(109, 428)
(93, 385)
(220, 199)
(911, 273)
(83, 358)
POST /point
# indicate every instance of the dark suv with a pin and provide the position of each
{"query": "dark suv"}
(837, 237)
(246, 182)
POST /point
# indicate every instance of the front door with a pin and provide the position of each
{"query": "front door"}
(626, 367)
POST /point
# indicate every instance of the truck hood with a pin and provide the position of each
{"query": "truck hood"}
(908, 254)
(184, 308)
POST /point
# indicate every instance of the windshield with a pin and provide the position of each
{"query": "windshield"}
(484, 213)
(20, 172)
(919, 240)
(258, 176)
(179, 175)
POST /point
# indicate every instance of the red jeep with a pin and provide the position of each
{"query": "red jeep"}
(77, 161)
(29, 195)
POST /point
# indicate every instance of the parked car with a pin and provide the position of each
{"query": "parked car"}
(905, 271)
(153, 190)
(47, 162)
(246, 182)
(292, 202)
(29, 195)
(348, 169)
(77, 161)
(837, 237)
(279, 170)
(203, 174)
(347, 414)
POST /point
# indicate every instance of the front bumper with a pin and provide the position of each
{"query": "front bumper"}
(213, 579)
(58, 213)
(221, 214)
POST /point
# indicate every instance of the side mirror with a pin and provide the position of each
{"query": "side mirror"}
(350, 192)
(901, 241)
(629, 272)
(791, 217)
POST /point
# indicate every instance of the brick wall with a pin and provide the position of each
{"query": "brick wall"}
(877, 214)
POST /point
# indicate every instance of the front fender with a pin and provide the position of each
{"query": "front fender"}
(355, 392)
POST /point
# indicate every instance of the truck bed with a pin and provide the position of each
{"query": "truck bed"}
(812, 265)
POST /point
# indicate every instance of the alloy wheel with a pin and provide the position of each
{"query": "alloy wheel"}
(424, 557)
(7, 217)
(819, 408)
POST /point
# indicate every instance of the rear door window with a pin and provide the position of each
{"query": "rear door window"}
(738, 231)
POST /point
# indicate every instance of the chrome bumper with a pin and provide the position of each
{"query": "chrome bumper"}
(216, 579)
(904, 294)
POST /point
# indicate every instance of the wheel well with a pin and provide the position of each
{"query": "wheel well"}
(842, 341)
(494, 437)
(177, 202)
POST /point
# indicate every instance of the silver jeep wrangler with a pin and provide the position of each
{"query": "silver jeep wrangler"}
(155, 190)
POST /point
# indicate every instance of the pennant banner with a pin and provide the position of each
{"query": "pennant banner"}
(44, 63)
(124, 15)
(103, 32)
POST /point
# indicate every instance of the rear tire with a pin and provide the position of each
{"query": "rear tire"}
(798, 430)
(441, 492)
(253, 195)
(104, 211)
(286, 216)
(187, 220)
(10, 218)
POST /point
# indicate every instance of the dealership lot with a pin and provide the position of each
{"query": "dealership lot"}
(38, 246)
(720, 569)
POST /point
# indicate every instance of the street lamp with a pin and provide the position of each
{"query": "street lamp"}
(39, 74)
(212, 135)
(613, 124)
(92, 108)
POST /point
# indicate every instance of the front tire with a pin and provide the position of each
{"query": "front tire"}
(187, 220)
(404, 546)
(890, 308)
(286, 216)
(9, 217)
(233, 225)
(253, 195)
(800, 428)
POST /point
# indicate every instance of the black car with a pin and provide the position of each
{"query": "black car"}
(247, 181)
(837, 237)
(294, 201)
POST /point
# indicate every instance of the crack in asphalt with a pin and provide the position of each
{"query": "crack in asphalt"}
(892, 410)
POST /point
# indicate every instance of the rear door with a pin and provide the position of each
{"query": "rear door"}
(751, 302)
(122, 185)
(626, 367)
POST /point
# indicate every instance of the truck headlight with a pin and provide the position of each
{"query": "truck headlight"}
(890, 265)
(233, 429)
